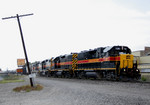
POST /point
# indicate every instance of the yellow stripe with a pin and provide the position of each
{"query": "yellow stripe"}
(97, 69)
(86, 69)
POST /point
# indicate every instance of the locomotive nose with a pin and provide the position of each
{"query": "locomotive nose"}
(126, 61)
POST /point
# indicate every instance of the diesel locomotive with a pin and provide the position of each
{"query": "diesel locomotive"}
(111, 63)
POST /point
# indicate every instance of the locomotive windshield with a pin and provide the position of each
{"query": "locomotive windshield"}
(123, 50)
(117, 50)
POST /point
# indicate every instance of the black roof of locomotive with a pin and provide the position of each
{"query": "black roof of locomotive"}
(103, 50)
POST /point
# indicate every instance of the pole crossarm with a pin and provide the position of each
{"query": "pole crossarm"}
(16, 16)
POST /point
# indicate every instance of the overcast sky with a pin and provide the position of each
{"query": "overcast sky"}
(63, 26)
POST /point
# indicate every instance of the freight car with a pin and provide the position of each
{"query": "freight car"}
(111, 63)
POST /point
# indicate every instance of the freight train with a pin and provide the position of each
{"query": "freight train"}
(111, 63)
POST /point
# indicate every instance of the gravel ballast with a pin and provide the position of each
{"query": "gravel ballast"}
(58, 91)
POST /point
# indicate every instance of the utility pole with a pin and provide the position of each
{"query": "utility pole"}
(26, 57)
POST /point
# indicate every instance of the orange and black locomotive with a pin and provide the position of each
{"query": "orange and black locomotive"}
(112, 63)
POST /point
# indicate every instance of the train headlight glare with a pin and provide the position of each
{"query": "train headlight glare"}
(124, 70)
(137, 70)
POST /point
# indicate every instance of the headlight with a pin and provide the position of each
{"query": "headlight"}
(137, 70)
(124, 70)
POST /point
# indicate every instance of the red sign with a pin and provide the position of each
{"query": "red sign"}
(19, 70)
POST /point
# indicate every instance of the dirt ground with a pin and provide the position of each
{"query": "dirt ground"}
(58, 91)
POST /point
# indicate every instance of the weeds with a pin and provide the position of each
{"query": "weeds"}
(11, 78)
(143, 78)
(28, 88)
(10, 81)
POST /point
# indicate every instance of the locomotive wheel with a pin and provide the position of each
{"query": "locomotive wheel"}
(124, 79)
(67, 75)
(108, 76)
(138, 77)
(99, 75)
(48, 75)
(62, 75)
(81, 75)
(55, 76)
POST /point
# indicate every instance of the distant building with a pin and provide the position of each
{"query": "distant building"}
(143, 57)
(145, 52)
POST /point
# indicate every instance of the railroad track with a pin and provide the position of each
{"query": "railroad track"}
(97, 80)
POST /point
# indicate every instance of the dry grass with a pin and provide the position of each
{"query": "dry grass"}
(11, 78)
(28, 88)
(10, 81)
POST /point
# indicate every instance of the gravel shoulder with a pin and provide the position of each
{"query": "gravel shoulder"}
(58, 91)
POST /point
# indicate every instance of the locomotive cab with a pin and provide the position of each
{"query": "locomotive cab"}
(125, 65)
